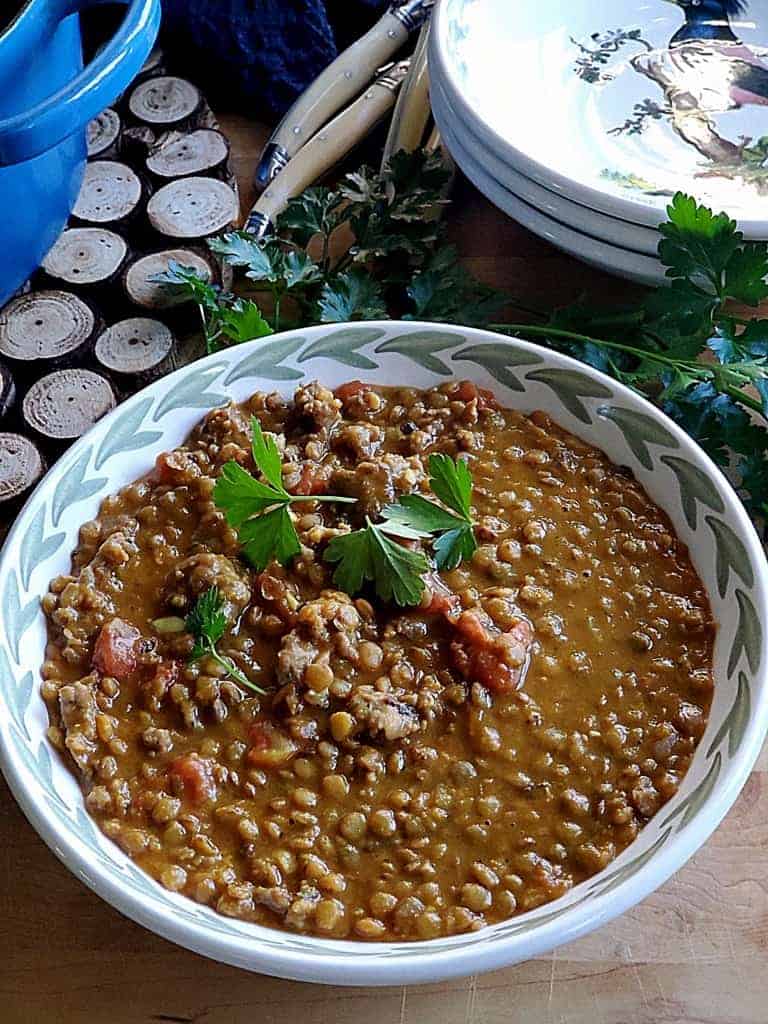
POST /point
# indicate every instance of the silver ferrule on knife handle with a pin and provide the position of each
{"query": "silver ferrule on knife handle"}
(412, 110)
(330, 145)
(258, 224)
(273, 160)
(413, 13)
(337, 86)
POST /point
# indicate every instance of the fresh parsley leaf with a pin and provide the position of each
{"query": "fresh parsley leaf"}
(697, 242)
(745, 274)
(369, 555)
(451, 481)
(267, 456)
(262, 260)
(317, 211)
(207, 622)
(415, 516)
(243, 321)
(398, 571)
(454, 547)
(753, 473)
(270, 536)
(683, 309)
(353, 295)
(446, 293)
(241, 496)
(260, 511)
(299, 269)
(186, 283)
(420, 516)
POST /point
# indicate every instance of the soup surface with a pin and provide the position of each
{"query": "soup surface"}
(411, 772)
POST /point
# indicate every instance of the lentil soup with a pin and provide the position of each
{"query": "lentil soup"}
(411, 772)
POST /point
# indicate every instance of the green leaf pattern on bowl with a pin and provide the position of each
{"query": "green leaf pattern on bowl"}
(570, 386)
(126, 435)
(639, 432)
(694, 486)
(735, 722)
(267, 362)
(420, 346)
(344, 347)
(285, 360)
(499, 361)
(35, 548)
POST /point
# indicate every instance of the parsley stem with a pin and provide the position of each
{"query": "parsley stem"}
(327, 498)
(658, 357)
(233, 670)
(739, 396)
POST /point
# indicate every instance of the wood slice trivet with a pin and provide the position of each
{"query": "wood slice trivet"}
(143, 291)
(177, 155)
(193, 208)
(110, 194)
(162, 131)
(7, 391)
(103, 133)
(46, 329)
(21, 466)
(166, 101)
(153, 65)
(62, 406)
(135, 351)
(86, 257)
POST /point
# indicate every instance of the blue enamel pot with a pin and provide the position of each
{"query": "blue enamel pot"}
(46, 100)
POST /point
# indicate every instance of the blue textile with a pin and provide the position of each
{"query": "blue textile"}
(258, 55)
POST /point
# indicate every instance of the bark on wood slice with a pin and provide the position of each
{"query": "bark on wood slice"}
(136, 143)
(135, 350)
(46, 329)
(193, 208)
(111, 193)
(63, 405)
(86, 257)
(143, 291)
(154, 64)
(21, 466)
(7, 391)
(202, 152)
(103, 133)
(166, 102)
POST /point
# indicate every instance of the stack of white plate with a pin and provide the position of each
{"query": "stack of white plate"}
(582, 120)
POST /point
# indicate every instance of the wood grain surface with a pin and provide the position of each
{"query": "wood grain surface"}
(696, 952)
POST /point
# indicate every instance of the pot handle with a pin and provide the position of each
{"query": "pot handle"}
(34, 131)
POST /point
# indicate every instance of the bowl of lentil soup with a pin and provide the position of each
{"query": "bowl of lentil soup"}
(445, 781)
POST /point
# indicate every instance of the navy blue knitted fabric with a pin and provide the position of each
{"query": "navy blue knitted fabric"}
(258, 55)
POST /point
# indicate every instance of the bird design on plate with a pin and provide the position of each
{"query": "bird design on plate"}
(704, 72)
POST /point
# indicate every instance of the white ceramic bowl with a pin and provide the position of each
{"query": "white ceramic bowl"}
(620, 104)
(704, 511)
(611, 258)
(620, 233)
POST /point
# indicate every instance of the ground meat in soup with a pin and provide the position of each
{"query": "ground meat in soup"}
(411, 773)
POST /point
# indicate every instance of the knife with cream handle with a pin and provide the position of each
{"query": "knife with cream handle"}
(341, 82)
(412, 110)
(327, 148)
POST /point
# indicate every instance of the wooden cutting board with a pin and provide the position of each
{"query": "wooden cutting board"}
(696, 952)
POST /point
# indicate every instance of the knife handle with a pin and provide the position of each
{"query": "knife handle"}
(341, 82)
(327, 148)
(412, 110)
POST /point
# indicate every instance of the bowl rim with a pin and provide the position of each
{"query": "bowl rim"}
(433, 960)
(553, 180)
